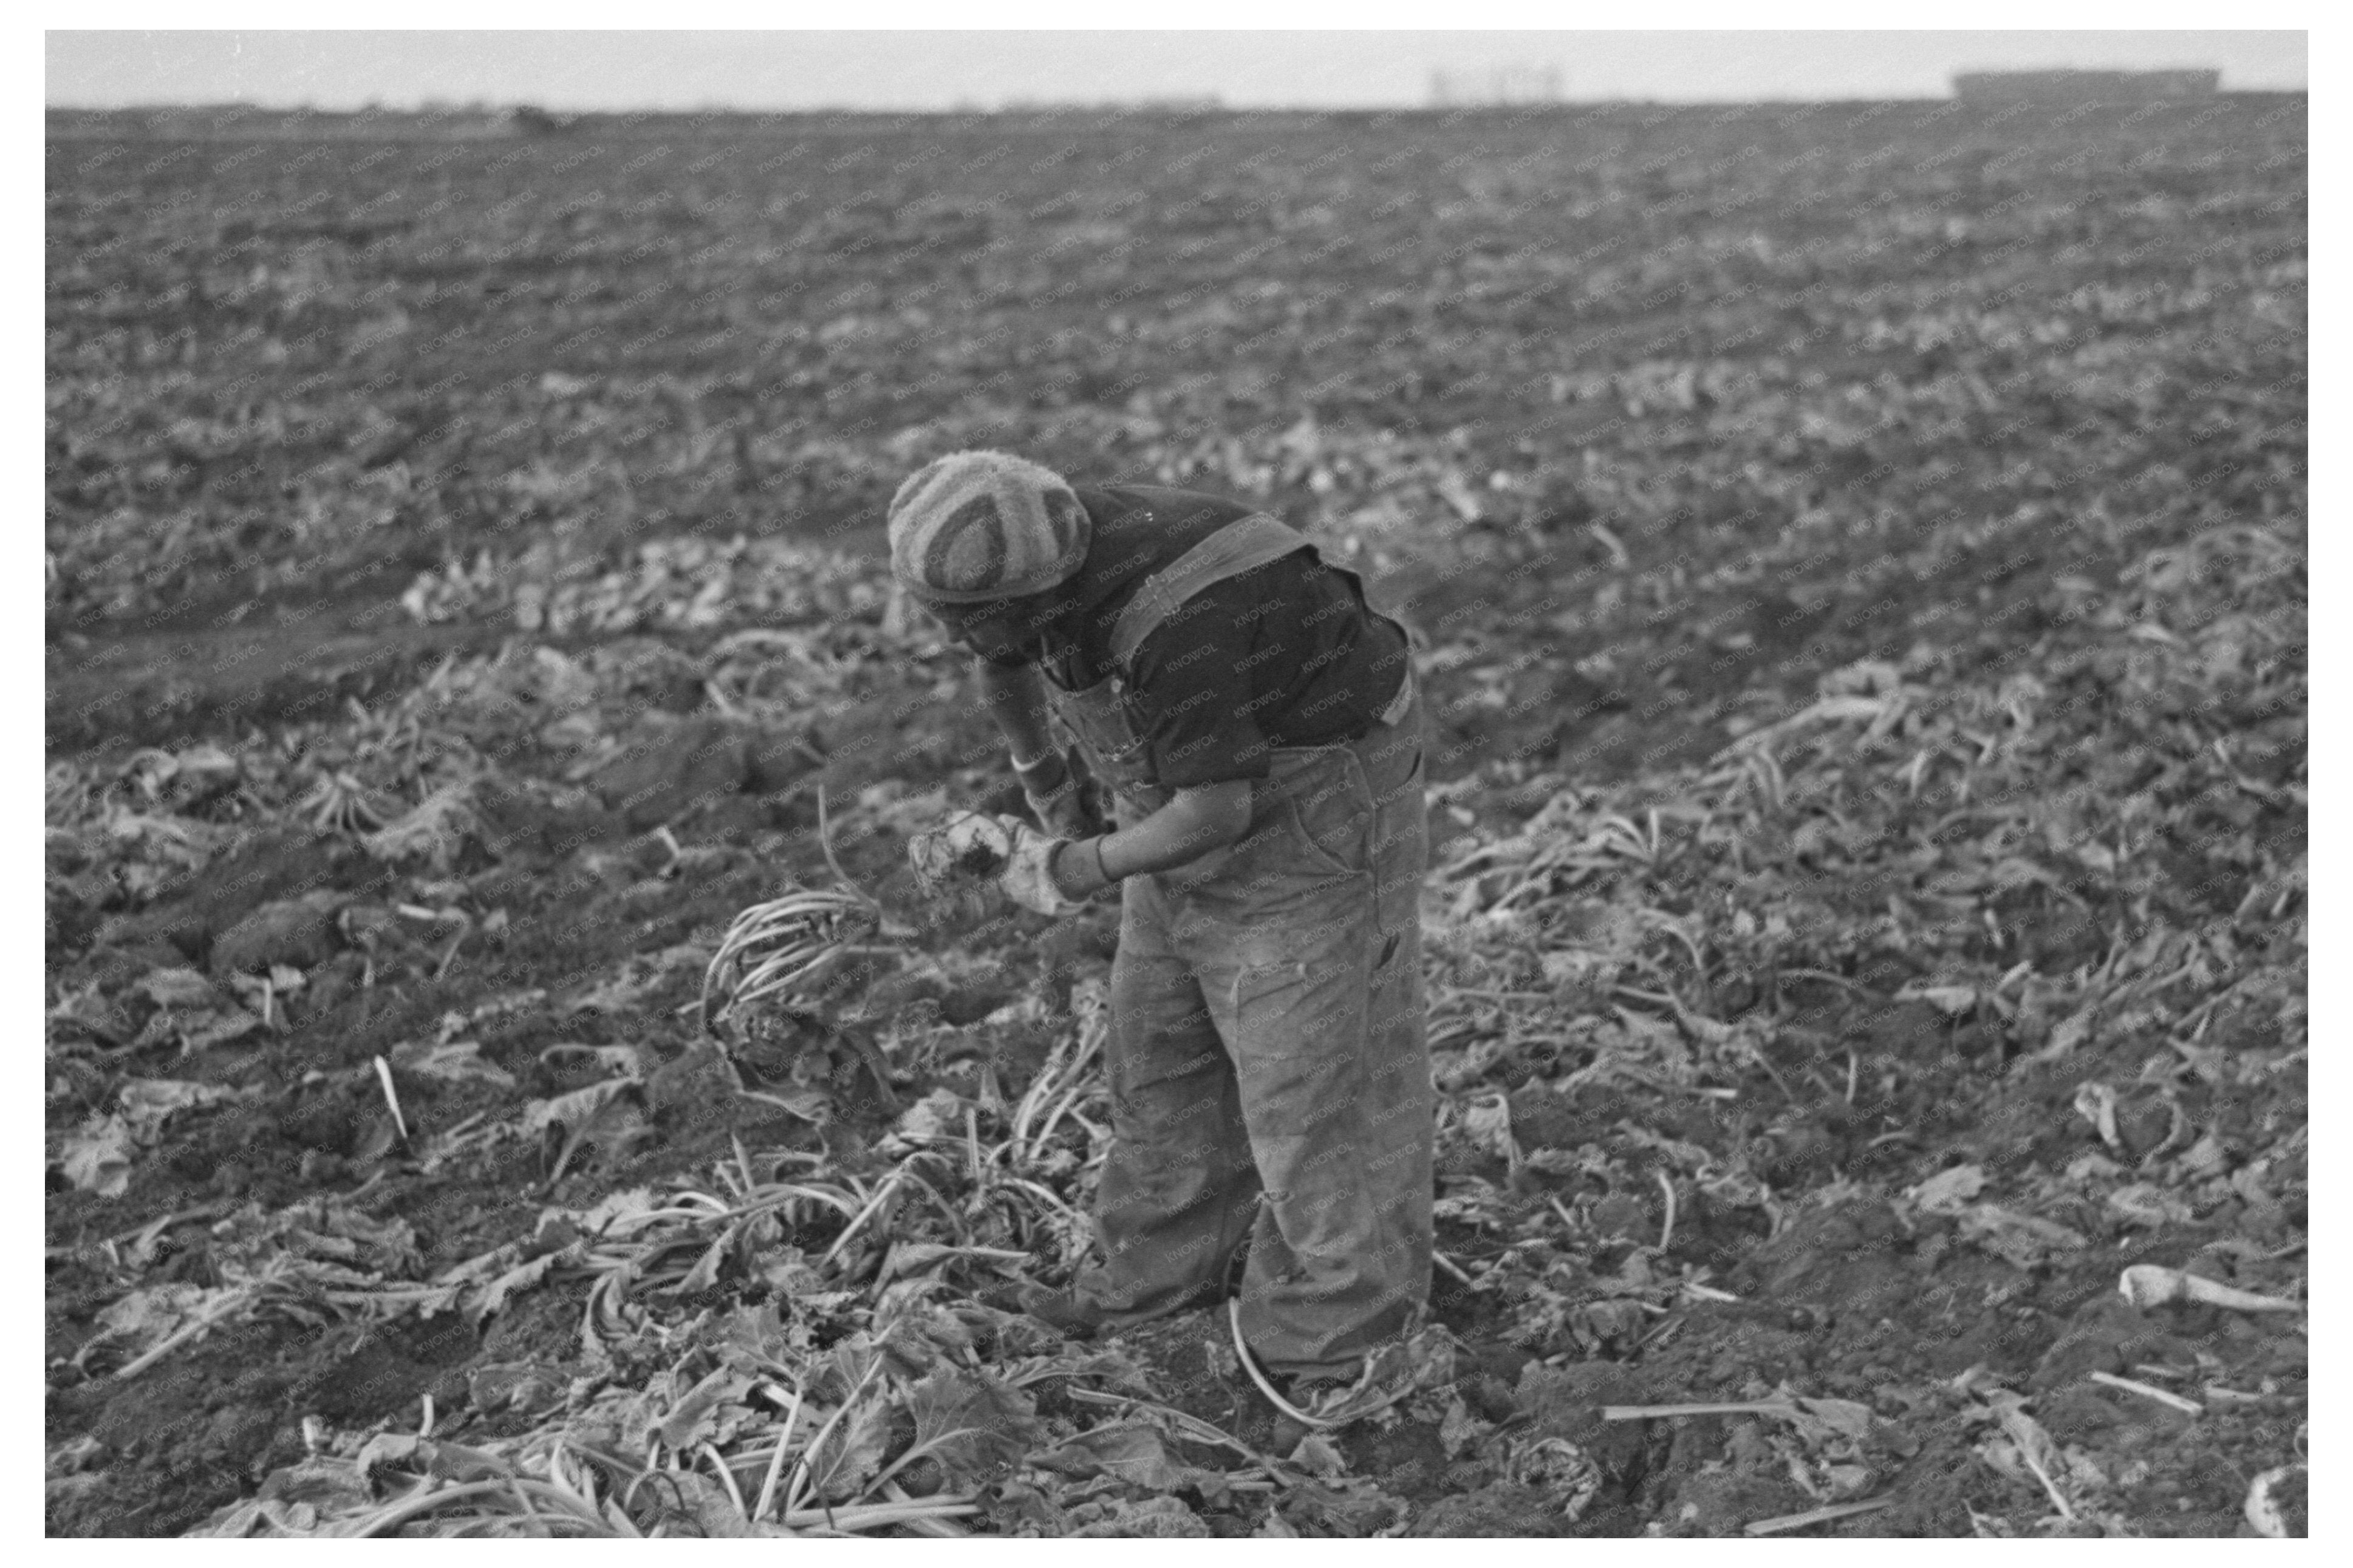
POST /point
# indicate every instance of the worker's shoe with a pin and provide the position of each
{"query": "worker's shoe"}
(1064, 1311)
(1310, 1396)
(1326, 1400)
(1069, 1313)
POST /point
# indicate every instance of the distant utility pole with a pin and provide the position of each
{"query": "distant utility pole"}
(1500, 85)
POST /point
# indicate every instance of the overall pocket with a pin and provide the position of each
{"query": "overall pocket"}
(1311, 830)
(1324, 811)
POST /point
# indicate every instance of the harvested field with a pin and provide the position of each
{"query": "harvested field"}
(1859, 552)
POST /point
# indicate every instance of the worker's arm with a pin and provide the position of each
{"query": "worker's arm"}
(1016, 698)
(1193, 824)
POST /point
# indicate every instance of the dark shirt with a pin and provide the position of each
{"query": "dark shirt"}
(1284, 655)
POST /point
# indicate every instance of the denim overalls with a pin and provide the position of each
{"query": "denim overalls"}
(1270, 1077)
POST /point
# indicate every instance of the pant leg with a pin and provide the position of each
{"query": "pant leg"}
(1310, 962)
(1177, 1188)
(1398, 1039)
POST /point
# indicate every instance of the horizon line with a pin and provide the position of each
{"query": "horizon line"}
(1173, 104)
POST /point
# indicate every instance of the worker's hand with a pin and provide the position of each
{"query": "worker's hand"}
(1052, 788)
(969, 849)
(1028, 877)
(974, 849)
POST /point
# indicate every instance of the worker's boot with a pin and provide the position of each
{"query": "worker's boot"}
(1305, 1393)
(1068, 1312)
(1064, 1311)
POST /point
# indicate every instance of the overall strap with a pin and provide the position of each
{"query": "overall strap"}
(1243, 545)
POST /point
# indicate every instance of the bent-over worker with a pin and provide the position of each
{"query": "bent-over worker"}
(1257, 728)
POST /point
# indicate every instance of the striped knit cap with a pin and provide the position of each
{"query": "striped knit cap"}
(974, 526)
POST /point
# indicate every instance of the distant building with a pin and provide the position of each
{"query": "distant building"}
(1504, 84)
(2082, 87)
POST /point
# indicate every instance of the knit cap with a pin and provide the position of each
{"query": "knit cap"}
(974, 526)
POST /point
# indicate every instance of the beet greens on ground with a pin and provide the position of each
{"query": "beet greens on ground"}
(1858, 557)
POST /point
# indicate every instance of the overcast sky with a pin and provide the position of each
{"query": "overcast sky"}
(916, 70)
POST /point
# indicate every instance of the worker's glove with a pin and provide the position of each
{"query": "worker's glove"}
(1028, 877)
(966, 851)
(974, 850)
(1057, 796)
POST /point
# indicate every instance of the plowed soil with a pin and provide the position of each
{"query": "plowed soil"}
(1926, 391)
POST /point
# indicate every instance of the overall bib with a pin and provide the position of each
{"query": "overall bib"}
(1270, 1077)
